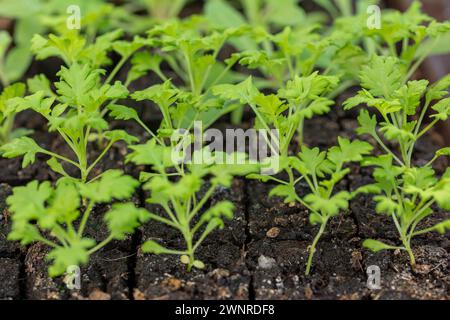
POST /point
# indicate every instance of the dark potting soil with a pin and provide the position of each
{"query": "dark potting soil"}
(260, 254)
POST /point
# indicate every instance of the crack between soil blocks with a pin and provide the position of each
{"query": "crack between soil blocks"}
(136, 242)
(22, 277)
(248, 238)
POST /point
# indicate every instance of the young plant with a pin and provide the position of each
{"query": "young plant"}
(177, 190)
(411, 36)
(57, 217)
(302, 52)
(75, 112)
(263, 15)
(301, 99)
(43, 16)
(72, 47)
(191, 49)
(405, 192)
(322, 172)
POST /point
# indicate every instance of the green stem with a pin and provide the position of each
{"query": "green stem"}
(101, 244)
(116, 69)
(420, 60)
(110, 144)
(190, 251)
(150, 132)
(85, 219)
(427, 128)
(47, 242)
(170, 214)
(380, 142)
(312, 249)
(202, 202)
(417, 233)
(3, 78)
(60, 157)
(190, 72)
(412, 259)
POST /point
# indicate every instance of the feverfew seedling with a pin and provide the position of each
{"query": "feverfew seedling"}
(405, 192)
(74, 111)
(321, 171)
(410, 36)
(58, 216)
(176, 188)
(302, 98)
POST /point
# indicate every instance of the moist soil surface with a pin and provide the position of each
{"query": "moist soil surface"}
(260, 254)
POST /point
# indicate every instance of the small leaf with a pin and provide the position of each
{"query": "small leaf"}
(315, 219)
(376, 246)
(442, 227)
(119, 112)
(120, 135)
(151, 246)
(113, 184)
(185, 259)
(25, 147)
(123, 219)
(56, 166)
(331, 206)
(198, 264)
(63, 257)
(285, 191)
(382, 76)
(367, 124)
